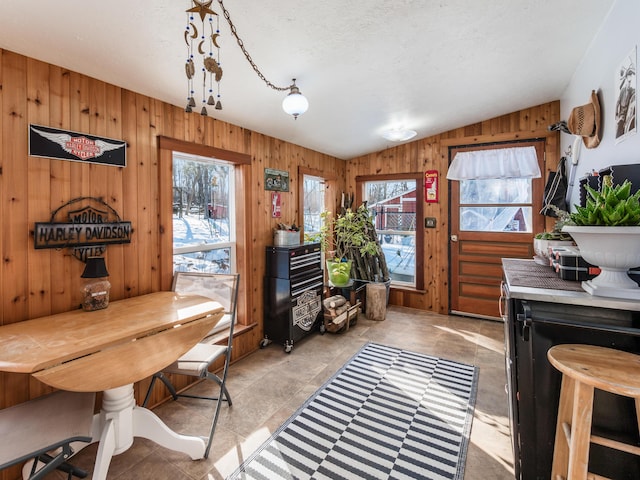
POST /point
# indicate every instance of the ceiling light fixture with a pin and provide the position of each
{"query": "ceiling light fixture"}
(399, 134)
(294, 103)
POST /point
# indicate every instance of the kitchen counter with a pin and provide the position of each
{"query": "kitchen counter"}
(527, 280)
(542, 310)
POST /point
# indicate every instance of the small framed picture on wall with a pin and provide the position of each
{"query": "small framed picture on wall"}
(277, 180)
(625, 108)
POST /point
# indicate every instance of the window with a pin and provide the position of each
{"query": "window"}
(313, 206)
(224, 242)
(203, 215)
(496, 189)
(396, 208)
(496, 205)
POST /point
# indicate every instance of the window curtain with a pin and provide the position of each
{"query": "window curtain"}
(518, 162)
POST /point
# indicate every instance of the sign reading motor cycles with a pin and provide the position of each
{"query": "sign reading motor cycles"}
(86, 230)
(80, 147)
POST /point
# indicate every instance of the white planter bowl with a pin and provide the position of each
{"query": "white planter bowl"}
(615, 250)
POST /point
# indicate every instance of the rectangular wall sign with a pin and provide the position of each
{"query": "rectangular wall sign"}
(78, 147)
(62, 235)
(276, 180)
(431, 186)
(276, 207)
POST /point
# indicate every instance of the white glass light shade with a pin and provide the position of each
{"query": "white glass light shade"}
(295, 103)
(399, 135)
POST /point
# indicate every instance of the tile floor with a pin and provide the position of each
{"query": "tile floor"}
(269, 385)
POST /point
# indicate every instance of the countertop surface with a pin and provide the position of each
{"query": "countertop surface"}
(527, 280)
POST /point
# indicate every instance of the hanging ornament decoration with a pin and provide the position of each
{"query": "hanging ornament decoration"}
(294, 103)
(202, 41)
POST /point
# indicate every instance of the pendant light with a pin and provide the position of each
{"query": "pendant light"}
(295, 103)
(204, 41)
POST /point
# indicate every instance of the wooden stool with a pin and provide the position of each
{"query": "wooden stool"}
(585, 367)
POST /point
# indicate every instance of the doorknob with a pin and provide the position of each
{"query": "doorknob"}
(454, 238)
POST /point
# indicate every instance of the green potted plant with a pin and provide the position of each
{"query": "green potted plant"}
(607, 231)
(353, 239)
(611, 206)
(556, 237)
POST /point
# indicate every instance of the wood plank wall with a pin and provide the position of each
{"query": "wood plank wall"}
(432, 154)
(33, 282)
(36, 283)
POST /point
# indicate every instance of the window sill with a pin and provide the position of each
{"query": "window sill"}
(222, 336)
(407, 289)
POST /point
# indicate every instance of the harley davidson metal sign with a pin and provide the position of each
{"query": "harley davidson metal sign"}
(87, 231)
(65, 145)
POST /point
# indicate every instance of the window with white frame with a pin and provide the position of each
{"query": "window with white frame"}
(313, 206)
(203, 215)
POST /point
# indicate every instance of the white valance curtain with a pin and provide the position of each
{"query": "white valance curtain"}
(518, 162)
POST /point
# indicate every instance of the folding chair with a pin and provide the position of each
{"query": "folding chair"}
(43, 429)
(223, 289)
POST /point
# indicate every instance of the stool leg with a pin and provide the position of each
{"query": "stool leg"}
(560, 464)
(580, 431)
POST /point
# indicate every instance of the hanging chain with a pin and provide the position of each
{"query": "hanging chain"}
(246, 54)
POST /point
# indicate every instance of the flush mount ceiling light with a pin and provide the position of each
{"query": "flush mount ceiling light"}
(399, 134)
(206, 43)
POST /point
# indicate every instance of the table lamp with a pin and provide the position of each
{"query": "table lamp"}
(95, 288)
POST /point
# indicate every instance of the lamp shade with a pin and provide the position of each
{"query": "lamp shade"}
(295, 103)
(95, 268)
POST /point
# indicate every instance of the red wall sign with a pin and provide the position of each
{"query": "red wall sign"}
(276, 208)
(431, 186)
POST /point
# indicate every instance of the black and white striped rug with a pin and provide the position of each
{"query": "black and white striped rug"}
(386, 414)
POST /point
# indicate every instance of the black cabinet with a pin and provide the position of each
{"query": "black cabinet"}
(293, 288)
(534, 324)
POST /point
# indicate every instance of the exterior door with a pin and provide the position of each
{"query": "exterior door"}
(490, 220)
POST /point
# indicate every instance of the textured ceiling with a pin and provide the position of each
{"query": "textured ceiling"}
(365, 66)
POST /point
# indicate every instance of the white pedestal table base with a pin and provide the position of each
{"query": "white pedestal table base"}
(119, 421)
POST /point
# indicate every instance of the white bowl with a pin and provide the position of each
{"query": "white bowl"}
(615, 250)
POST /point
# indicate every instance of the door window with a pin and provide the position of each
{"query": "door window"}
(496, 205)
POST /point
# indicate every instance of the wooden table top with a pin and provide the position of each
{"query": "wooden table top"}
(94, 351)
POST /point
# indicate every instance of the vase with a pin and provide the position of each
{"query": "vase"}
(615, 250)
(95, 294)
(339, 273)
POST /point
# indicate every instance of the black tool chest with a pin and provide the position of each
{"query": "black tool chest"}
(293, 293)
